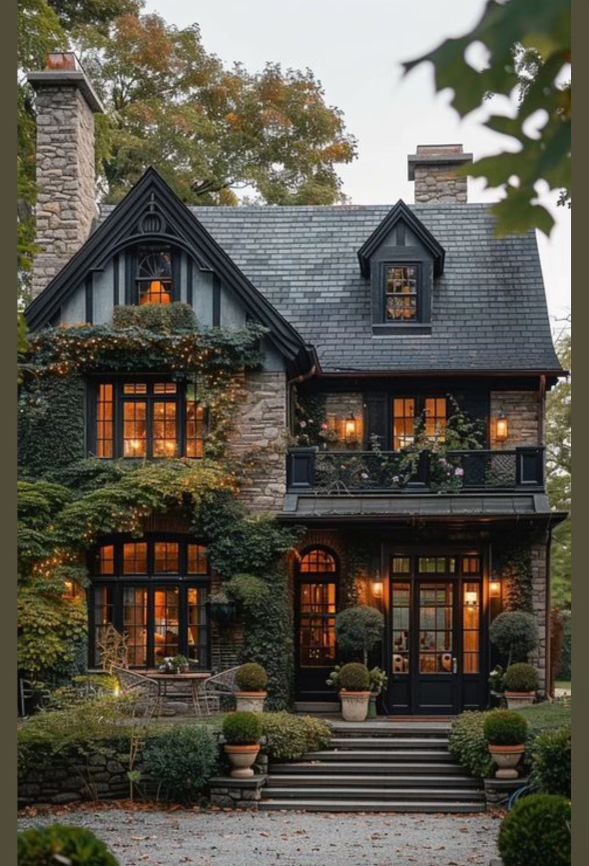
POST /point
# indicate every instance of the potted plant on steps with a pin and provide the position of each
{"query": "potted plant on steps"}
(241, 733)
(354, 683)
(506, 733)
(520, 685)
(378, 683)
(251, 680)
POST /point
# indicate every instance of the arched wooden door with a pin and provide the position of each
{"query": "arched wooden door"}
(315, 611)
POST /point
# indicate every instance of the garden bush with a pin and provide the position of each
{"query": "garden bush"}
(537, 830)
(242, 728)
(290, 737)
(354, 677)
(515, 634)
(505, 728)
(551, 762)
(520, 677)
(358, 629)
(251, 677)
(181, 762)
(75, 846)
(168, 319)
(468, 745)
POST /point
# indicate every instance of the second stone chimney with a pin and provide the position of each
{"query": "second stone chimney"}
(66, 187)
(433, 168)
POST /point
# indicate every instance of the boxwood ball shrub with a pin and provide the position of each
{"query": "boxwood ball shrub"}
(251, 677)
(358, 630)
(290, 737)
(515, 634)
(41, 846)
(537, 830)
(181, 762)
(468, 745)
(505, 728)
(354, 677)
(551, 762)
(242, 728)
(521, 677)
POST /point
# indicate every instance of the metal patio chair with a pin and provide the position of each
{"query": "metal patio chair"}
(145, 692)
(217, 685)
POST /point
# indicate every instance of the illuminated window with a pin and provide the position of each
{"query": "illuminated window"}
(154, 276)
(435, 418)
(195, 424)
(428, 414)
(317, 638)
(166, 557)
(105, 421)
(403, 423)
(135, 429)
(106, 559)
(197, 559)
(471, 620)
(401, 293)
(135, 624)
(317, 561)
(135, 557)
(166, 623)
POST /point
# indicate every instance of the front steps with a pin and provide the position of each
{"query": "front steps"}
(403, 768)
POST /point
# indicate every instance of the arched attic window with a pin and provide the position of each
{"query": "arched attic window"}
(155, 275)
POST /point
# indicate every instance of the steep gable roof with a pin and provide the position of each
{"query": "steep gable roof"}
(129, 222)
(400, 213)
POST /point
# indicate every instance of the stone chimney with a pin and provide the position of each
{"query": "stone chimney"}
(66, 190)
(433, 168)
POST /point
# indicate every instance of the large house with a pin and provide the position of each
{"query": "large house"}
(388, 327)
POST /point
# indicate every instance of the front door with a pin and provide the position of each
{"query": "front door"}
(315, 611)
(435, 634)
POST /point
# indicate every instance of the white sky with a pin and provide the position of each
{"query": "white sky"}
(355, 49)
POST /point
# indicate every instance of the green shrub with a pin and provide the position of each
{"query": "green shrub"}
(505, 728)
(242, 728)
(468, 745)
(290, 737)
(251, 677)
(551, 762)
(520, 677)
(537, 830)
(354, 677)
(41, 846)
(181, 761)
(358, 629)
(162, 319)
(515, 634)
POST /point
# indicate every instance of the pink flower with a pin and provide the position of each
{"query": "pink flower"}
(459, 471)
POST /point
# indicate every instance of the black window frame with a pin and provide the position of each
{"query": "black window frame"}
(385, 268)
(402, 256)
(132, 260)
(150, 397)
(151, 581)
(419, 413)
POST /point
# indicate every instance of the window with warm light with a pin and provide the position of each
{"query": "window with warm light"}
(416, 412)
(154, 276)
(317, 593)
(155, 593)
(401, 285)
(147, 419)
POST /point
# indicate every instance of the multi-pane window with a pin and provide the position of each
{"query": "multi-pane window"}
(154, 276)
(148, 419)
(471, 622)
(436, 628)
(401, 293)
(401, 621)
(410, 414)
(317, 609)
(155, 593)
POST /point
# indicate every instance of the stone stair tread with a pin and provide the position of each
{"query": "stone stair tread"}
(389, 793)
(390, 742)
(372, 806)
(300, 779)
(379, 754)
(382, 766)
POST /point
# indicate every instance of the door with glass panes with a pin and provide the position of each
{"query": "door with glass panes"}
(435, 635)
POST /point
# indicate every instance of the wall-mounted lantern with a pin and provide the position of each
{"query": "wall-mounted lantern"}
(501, 427)
(350, 428)
(494, 589)
(377, 586)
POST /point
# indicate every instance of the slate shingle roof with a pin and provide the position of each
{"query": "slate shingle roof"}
(489, 307)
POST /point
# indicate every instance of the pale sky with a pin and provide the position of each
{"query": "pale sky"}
(355, 49)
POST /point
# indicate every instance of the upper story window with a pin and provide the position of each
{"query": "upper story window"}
(411, 412)
(401, 288)
(145, 418)
(154, 280)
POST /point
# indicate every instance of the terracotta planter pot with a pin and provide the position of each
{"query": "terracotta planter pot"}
(515, 700)
(241, 759)
(507, 758)
(252, 702)
(354, 705)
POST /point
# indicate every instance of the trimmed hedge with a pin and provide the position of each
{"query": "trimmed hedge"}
(57, 843)
(505, 728)
(354, 677)
(536, 831)
(551, 762)
(182, 761)
(290, 737)
(468, 744)
(251, 677)
(242, 728)
(520, 677)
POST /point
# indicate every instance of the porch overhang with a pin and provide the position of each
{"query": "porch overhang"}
(420, 509)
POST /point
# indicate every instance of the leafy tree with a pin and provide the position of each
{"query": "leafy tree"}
(208, 129)
(558, 467)
(529, 48)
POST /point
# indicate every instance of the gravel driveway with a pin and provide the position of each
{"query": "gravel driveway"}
(287, 838)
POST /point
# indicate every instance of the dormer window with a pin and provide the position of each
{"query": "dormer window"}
(154, 276)
(401, 287)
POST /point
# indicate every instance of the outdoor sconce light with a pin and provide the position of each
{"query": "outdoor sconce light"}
(471, 597)
(501, 428)
(494, 589)
(377, 587)
(350, 428)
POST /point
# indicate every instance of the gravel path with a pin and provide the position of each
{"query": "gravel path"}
(287, 838)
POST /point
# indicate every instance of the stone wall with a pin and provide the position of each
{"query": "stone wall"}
(66, 202)
(338, 407)
(433, 168)
(522, 409)
(539, 658)
(260, 433)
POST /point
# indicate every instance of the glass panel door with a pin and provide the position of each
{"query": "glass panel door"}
(135, 624)
(317, 624)
(436, 624)
(166, 623)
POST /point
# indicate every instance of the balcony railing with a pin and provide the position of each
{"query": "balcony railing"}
(345, 472)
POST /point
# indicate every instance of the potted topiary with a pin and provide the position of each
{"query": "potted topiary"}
(515, 634)
(241, 733)
(251, 680)
(354, 683)
(358, 630)
(520, 685)
(506, 733)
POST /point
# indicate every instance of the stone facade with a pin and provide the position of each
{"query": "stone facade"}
(522, 409)
(540, 657)
(433, 168)
(66, 200)
(260, 434)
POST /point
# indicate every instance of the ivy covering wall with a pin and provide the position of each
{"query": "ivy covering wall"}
(512, 563)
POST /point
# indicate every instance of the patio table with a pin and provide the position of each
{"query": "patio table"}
(194, 680)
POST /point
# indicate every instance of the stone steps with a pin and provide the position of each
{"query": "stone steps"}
(359, 806)
(346, 780)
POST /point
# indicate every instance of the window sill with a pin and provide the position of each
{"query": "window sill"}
(412, 328)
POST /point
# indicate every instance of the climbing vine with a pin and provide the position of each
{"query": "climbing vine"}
(513, 564)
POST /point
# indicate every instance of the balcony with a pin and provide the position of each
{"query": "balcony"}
(310, 470)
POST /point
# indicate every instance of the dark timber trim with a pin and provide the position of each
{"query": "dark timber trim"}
(216, 301)
(115, 281)
(89, 298)
(400, 212)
